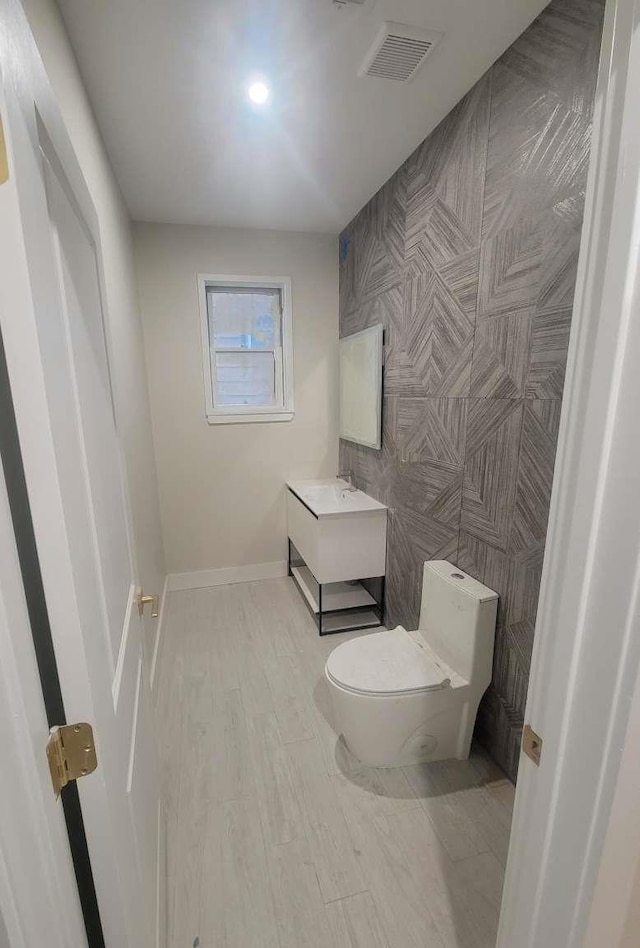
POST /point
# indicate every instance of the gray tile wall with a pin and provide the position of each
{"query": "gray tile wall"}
(468, 257)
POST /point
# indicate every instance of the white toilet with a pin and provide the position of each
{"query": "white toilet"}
(406, 697)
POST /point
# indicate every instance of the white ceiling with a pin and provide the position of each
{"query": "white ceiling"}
(167, 80)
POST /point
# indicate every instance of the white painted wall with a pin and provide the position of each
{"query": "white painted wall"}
(124, 329)
(222, 486)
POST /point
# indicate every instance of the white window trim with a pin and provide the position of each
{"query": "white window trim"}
(238, 414)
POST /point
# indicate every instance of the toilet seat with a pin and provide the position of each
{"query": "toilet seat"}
(386, 663)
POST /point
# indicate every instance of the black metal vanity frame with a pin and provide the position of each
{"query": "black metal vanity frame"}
(377, 608)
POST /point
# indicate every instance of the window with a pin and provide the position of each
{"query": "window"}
(247, 348)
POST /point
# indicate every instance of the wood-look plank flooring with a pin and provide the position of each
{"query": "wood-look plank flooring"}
(277, 837)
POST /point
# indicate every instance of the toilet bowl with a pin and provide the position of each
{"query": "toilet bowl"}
(403, 697)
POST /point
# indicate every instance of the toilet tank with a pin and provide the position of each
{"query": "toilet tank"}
(458, 620)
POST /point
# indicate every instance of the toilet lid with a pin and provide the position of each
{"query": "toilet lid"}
(385, 663)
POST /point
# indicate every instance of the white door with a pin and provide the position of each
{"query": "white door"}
(34, 851)
(53, 324)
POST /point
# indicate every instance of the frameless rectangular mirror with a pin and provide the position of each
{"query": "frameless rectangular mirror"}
(361, 387)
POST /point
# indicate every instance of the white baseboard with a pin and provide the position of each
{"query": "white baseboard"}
(159, 631)
(226, 576)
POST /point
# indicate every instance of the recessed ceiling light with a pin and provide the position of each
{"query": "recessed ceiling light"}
(258, 92)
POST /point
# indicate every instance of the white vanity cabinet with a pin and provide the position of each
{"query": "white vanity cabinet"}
(340, 536)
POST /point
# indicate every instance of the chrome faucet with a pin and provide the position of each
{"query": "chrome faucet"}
(349, 478)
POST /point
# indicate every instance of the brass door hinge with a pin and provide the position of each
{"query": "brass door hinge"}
(71, 753)
(532, 744)
(144, 601)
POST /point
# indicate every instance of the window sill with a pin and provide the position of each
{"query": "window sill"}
(232, 418)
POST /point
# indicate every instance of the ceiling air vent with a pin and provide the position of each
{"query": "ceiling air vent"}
(398, 52)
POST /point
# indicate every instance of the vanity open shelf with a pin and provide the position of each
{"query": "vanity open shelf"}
(337, 553)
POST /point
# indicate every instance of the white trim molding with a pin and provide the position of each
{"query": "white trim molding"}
(226, 575)
(157, 645)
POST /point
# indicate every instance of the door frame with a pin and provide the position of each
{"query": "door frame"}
(587, 647)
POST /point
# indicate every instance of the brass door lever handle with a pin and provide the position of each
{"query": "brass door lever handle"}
(142, 602)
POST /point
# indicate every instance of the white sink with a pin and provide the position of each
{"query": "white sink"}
(332, 497)
(340, 533)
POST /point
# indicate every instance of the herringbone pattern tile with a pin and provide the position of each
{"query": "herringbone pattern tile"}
(501, 355)
(493, 444)
(432, 429)
(445, 178)
(510, 268)
(376, 470)
(387, 308)
(487, 563)
(375, 261)
(468, 257)
(438, 339)
(535, 474)
(440, 499)
(414, 536)
(548, 353)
